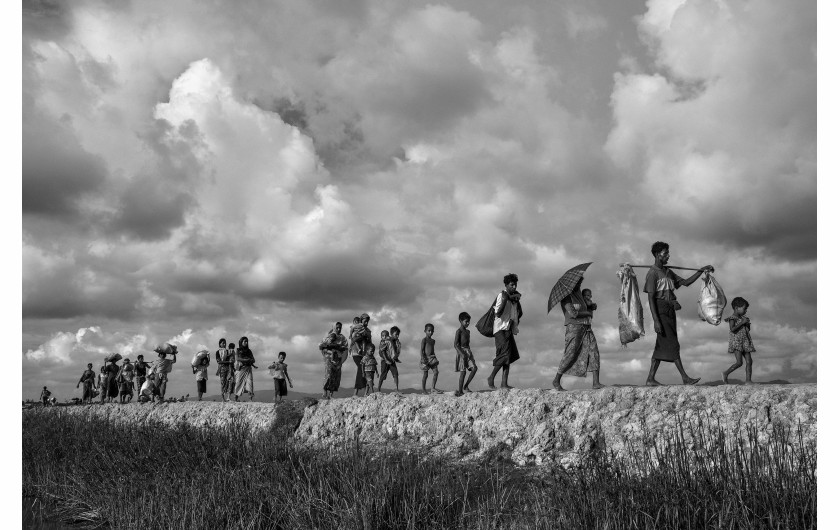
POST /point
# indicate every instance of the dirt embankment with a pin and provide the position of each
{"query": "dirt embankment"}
(525, 425)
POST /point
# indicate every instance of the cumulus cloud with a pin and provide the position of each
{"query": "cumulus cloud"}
(719, 161)
(270, 169)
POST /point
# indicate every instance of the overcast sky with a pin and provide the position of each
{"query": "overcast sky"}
(194, 171)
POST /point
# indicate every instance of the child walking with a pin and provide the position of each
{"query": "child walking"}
(740, 341)
(125, 382)
(200, 372)
(464, 359)
(280, 374)
(386, 347)
(428, 360)
(369, 365)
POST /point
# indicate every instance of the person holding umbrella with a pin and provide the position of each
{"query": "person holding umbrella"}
(508, 312)
(660, 284)
(580, 354)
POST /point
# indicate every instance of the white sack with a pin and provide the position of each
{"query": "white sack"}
(631, 324)
(712, 301)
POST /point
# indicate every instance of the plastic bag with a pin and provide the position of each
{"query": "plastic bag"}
(631, 324)
(712, 301)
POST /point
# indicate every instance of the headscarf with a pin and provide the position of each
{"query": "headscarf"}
(363, 316)
(245, 349)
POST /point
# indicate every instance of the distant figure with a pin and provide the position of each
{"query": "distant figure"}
(45, 397)
(125, 382)
(369, 363)
(149, 390)
(740, 341)
(464, 360)
(200, 372)
(163, 366)
(396, 346)
(280, 374)
(660, 284)
(360, 337)
(334, 348)
(386, 356)
(141, 368)
(580, 354)
(225, 358)
(88, 381)
(505, 326)
(244, 371)
(428, 359)
(108, 384)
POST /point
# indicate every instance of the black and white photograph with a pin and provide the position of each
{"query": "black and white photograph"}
(475, 264)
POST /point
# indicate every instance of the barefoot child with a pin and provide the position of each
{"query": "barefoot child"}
(464, 359)
(740, 341)
(200, 372)
(428, 360)
(369, 364)
(386, 347)
(125, 382)
(280, 374)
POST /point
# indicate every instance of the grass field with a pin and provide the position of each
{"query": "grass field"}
(95, 474)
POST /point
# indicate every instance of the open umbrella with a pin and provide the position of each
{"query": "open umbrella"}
(566, 284)
(198, 357)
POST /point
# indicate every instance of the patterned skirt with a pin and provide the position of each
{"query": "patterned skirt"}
(581, 353)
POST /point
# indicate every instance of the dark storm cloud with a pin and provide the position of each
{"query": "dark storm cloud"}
(350, 282)
(57, 171)
(149, 209)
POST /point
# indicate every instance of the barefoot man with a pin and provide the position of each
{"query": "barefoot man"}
(660, 284)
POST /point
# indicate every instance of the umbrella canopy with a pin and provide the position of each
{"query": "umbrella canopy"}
(198, 357)
(113, 357)
(566, 284)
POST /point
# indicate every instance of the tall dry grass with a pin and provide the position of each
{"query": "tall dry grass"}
(97, 475)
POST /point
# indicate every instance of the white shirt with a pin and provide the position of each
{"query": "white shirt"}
(509, 319)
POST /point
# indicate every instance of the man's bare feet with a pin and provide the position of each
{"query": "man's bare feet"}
(749, 383)
(652, 382)
(558, 388)
(725, 379)
(458, 393)
(467, 389)
(691, 381)
(507, 387)
(490, 383)
(596, 386)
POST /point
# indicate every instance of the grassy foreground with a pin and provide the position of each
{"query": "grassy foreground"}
(98, 475)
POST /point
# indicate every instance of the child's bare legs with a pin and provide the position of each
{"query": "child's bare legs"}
(739, 360)
(460, 391)
(472, 370)
(596, 382)
(505, 373)
(748, 357)
(434, 380)
(493, 376)
(425, 376)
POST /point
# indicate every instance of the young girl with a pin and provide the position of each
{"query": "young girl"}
(369, 364)
(740, 342)
(280, 374)
(200, 372)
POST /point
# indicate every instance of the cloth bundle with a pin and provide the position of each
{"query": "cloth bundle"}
(166, 348)
(631, 324)
(198, 357)
(712, 301)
